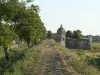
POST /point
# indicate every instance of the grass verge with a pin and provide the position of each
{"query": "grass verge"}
(78, 61)
(22, 60)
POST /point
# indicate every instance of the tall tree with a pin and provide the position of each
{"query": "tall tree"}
(7, 35)
(69, 34)
(19, 19)
(77, 34)
(30, 26)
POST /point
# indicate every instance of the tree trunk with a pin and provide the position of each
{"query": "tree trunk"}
(28, 43)
(35, 43)
(32, 43)
(6, 53)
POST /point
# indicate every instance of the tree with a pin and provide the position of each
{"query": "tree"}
(77, 34)
(49, 34)
(40, 34)
(20, 21)
(30, 26)
(69, 34)
(25, 21)
(7, 35)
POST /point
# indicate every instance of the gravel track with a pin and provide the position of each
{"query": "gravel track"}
(50, 62)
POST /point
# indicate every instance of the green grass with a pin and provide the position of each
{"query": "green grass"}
(82, 61)
(8, 67)
(95, 46)
(21, 59)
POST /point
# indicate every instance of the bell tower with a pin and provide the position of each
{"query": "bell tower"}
(61, 35)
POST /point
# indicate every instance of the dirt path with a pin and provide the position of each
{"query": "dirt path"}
(50, 62)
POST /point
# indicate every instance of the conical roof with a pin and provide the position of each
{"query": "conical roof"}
(61, 30)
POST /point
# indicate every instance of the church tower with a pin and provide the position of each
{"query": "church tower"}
(61, 35)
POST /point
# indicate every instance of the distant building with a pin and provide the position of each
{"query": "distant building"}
(93, 38)
(60, 37)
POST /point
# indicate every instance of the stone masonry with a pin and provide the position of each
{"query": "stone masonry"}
(60, 37)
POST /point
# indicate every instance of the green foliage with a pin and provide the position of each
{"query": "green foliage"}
(7, 35)
(17, 21)
(15, 57)
(25, 21)
(80, 61)
(29, 0)
(21, 59)
(49, 34)
(77, 34)
(69, 34)
(28, 25)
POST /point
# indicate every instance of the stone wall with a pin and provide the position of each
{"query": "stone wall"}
(95, 39)
(59, 38)
(78, 44)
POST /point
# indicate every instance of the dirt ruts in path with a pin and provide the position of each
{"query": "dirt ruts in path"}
(50, 62)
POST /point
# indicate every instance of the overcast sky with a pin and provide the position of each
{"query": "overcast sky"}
(73, 14)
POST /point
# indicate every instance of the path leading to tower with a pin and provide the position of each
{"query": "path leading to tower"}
(50, 62)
